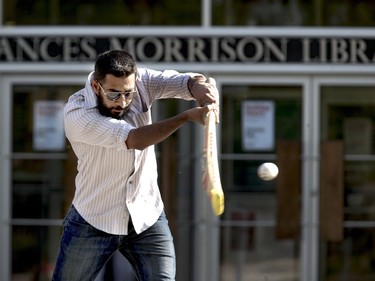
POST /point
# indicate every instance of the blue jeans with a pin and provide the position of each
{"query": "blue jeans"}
(84, 250)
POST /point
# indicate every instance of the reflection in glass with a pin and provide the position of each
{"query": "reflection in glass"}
(347, 119)
(24, 100)
(353, 258)
(260, 227)
(38, 189)
(42, 181)
(99, 12)
(293, 13)
(34, 250)
(254, 253)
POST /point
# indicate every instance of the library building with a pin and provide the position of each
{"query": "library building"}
(296, 81)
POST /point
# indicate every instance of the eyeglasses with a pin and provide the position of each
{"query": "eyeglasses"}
(113, 96)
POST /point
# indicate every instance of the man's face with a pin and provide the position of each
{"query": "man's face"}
(122, 88)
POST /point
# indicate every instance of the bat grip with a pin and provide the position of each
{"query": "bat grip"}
(212, 81)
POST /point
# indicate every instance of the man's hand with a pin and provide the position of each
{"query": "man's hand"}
(204, 93)
(199, 114)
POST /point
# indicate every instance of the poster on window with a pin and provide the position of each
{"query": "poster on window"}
(258, 125)
(48, 127)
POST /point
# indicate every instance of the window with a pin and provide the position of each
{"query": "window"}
(102, 12)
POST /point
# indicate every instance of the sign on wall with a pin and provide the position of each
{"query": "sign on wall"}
(208, 49)
(48, 126)
(258, 125)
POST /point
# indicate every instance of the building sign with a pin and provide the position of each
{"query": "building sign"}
(191, 49)
(258, 125)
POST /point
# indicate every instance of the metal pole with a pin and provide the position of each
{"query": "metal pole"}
(206, 14)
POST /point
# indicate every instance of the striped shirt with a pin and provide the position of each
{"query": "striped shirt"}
(113, 182)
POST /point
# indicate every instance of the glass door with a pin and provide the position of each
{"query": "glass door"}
(263, 120)
(41, 169)
(347, 179)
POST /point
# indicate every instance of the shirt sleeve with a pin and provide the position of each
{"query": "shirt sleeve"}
(87, 125)
(165, 84)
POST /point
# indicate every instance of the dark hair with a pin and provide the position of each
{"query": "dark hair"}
(116, 62)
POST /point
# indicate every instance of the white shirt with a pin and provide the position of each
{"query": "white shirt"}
(113, 181)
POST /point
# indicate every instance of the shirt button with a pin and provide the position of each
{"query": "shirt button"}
(130, 182)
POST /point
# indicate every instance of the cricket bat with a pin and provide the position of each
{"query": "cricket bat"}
(211, 174)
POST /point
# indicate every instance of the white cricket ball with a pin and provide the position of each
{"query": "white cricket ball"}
(268, 171)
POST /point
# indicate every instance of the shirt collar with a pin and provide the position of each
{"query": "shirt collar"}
(90, 97)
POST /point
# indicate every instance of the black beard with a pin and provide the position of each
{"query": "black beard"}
(106, 111)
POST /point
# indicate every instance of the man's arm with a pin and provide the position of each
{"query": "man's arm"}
(142, 137)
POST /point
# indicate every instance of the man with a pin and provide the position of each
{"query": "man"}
(117, 204)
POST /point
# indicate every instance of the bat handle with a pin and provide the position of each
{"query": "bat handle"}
(212, 81)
